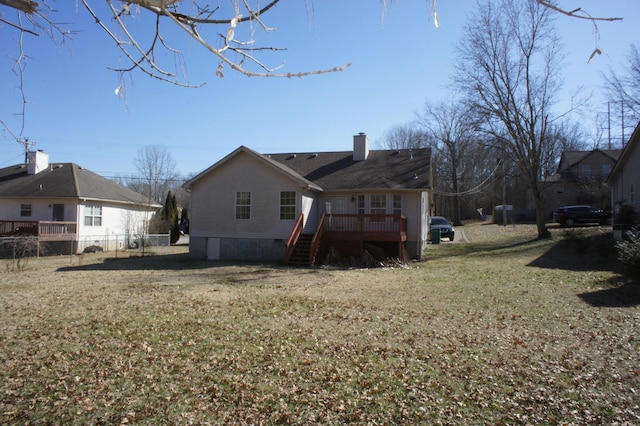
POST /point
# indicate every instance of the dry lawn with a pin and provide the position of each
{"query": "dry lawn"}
(502, 330)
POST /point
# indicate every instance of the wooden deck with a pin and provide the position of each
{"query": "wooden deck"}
(44, 230)
(348, 233)
(365, 227)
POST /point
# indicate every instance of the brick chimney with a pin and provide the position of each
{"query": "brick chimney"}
(360, 147)
(37, 161)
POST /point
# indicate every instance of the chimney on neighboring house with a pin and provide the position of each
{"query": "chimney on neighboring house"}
(37, 161)
(360, 147)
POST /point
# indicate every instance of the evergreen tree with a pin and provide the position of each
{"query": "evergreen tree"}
(184, 220)
(173, 217)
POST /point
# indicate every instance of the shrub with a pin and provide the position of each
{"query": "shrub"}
(626, 214)
(20, 250)
(629, 251)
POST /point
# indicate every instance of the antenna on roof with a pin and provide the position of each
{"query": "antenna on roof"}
(27, 144)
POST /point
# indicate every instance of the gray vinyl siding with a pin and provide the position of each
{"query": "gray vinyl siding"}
(213, 209)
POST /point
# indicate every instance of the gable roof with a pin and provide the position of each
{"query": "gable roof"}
(281, 168)
(571, 158)
(335, 171)
(65, 180)
(634, 140)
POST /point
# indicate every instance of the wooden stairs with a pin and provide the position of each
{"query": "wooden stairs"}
(301, 253)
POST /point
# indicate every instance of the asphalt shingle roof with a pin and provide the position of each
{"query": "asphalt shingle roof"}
(64, 180)
(573, 157)
(393, 169)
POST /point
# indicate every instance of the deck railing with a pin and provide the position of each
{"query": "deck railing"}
(40, 228)
(366, 223)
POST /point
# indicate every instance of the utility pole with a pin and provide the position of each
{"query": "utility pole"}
(609, 121)
(504, 194)
(622, 115)
(25, 142)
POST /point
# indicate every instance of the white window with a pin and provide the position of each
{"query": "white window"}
(397, 204)
(360, 204)
(378, 204)
(25, 210)
(243, 205)
(93, 216)
(287, 205)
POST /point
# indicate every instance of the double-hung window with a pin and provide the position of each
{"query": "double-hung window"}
(360, 201)
(397, 204)
(25, 210)
(287, 205)
(93, 215)
(378, 204)
(585, 170)
(243, 205)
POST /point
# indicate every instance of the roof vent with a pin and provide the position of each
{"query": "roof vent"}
(292, 156)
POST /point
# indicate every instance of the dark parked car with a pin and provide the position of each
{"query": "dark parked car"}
(445, 227)
(570, 215)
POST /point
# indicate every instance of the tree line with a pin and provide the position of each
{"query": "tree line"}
(502, 137)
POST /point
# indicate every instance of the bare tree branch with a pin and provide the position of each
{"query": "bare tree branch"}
(26, 6)
(576, 13)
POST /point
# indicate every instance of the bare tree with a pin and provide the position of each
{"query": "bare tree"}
(157, 170)
(452, 130)
(405, 136)
(624, 91)
(508, 66)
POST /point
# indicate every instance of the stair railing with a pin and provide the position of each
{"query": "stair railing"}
(315, 242)
(298, 227)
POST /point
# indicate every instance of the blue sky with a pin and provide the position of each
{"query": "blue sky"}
(399, 61)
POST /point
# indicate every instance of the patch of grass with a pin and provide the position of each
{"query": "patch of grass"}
(490, 332)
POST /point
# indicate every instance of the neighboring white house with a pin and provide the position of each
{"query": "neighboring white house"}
(66, 202)
(245, 206)
(624, 181)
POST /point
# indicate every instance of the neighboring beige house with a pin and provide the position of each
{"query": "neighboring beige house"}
(624, 180)
(66, 205)
(580, 179)
(298, 206)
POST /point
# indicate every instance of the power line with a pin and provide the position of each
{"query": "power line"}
(474, 190)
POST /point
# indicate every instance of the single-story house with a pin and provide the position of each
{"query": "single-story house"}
(624, 182)
(297, 207)
(69, 206)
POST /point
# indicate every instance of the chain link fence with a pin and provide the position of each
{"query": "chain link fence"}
(29, 246)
